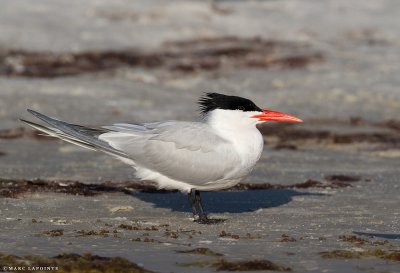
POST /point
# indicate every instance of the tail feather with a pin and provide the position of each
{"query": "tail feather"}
(52, 132)
(79, 135)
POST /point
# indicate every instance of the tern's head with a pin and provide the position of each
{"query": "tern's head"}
(240, 110)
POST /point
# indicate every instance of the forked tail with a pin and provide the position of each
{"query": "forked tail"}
(79, 135)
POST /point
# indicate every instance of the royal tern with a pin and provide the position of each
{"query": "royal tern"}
(212, 154)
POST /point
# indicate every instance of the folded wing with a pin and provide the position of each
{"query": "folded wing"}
(184, 151)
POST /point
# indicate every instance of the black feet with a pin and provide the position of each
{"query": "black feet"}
(196, 205)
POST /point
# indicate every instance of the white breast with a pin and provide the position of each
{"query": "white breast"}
(246, 139)
(249, 145)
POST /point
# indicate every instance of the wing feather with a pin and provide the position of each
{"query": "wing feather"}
(184, 151)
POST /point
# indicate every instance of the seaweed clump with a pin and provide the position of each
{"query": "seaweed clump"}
(224, 265)
(390, 255)
(256, 265)
(201, 251)
(71, 262)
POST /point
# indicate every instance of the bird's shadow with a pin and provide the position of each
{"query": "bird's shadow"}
(224, 201)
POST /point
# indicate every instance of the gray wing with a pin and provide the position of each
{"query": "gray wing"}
(184, 151)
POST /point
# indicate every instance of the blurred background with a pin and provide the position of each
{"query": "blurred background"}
(333, 63)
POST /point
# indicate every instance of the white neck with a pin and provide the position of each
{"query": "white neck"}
(240, 129)
(231, 120)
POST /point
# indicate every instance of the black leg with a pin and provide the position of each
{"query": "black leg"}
(192, 204)
(202, 216)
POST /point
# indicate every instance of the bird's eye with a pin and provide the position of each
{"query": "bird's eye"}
(241, 108)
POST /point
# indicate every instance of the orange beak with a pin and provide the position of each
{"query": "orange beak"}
(276, 116)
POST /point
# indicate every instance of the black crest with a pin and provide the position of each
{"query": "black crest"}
(212, 101)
